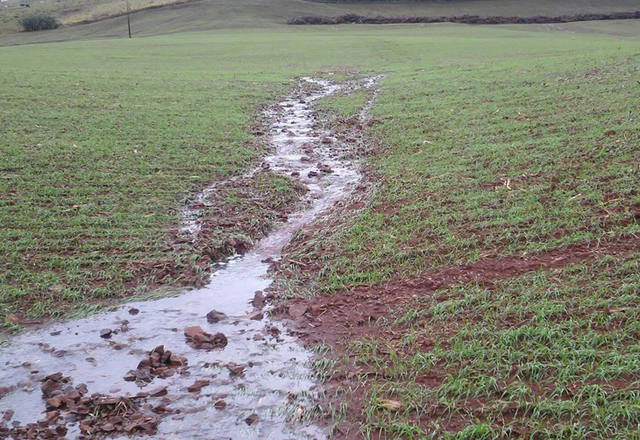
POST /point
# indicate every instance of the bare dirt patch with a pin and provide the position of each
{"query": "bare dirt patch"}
(331, 318)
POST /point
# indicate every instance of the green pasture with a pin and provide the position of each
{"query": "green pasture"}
(486, 141)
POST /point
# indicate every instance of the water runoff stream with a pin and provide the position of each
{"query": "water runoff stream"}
(259, 385)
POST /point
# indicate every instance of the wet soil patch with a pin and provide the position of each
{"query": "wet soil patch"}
(332, 318)
(235, 215)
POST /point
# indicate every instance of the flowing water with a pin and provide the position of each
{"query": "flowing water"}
(277, 384)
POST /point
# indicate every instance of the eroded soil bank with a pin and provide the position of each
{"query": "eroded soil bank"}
(206, 364)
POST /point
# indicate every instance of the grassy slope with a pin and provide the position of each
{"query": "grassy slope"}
(99, 155)
(492, 102)
(216, 14)
(548, 355)
(505, 144)
(455, 133)
(68, 11)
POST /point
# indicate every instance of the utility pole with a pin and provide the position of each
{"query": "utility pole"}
(128, 19)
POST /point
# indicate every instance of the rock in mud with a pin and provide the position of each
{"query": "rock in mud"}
(73, 405)
(273, 331)
(258, 300)
(215, 316)
(133, 311)
(5, 390)
(252, 419)
(52, 384)
(197, 386)
(7, 415)
(235, 369)
(161, 408)
(159, 363)
(199, 339)
(106, 333)
(324, 168)
(158, 392)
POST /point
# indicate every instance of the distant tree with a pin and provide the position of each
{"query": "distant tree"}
(39, 22)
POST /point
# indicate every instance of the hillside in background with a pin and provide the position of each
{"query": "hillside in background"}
(169, 16)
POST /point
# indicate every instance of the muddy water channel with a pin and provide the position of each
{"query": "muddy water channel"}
(254, 382)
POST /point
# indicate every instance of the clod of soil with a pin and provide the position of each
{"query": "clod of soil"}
(106, 333)
(133, 311)
(5, 390)
(297, 310)
(52, 385)
(215, 316)
(258, 300)
(220, 405)
(235, 369)
(273, 331)
(159, 363)
(199, 339)
(252, 419)
(256, 316)
(155, 392)
(324, 168)
(197, 386)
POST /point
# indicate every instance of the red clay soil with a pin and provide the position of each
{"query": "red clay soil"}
(344, 316)
(332, 318)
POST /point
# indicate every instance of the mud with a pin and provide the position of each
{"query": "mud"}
(258, 384)
(332, 318)
(464, 19)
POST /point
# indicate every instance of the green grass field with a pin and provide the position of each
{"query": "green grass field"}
(517, 146)
(550, 355)
(486, 141)
(99, 156)
(533, 153)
